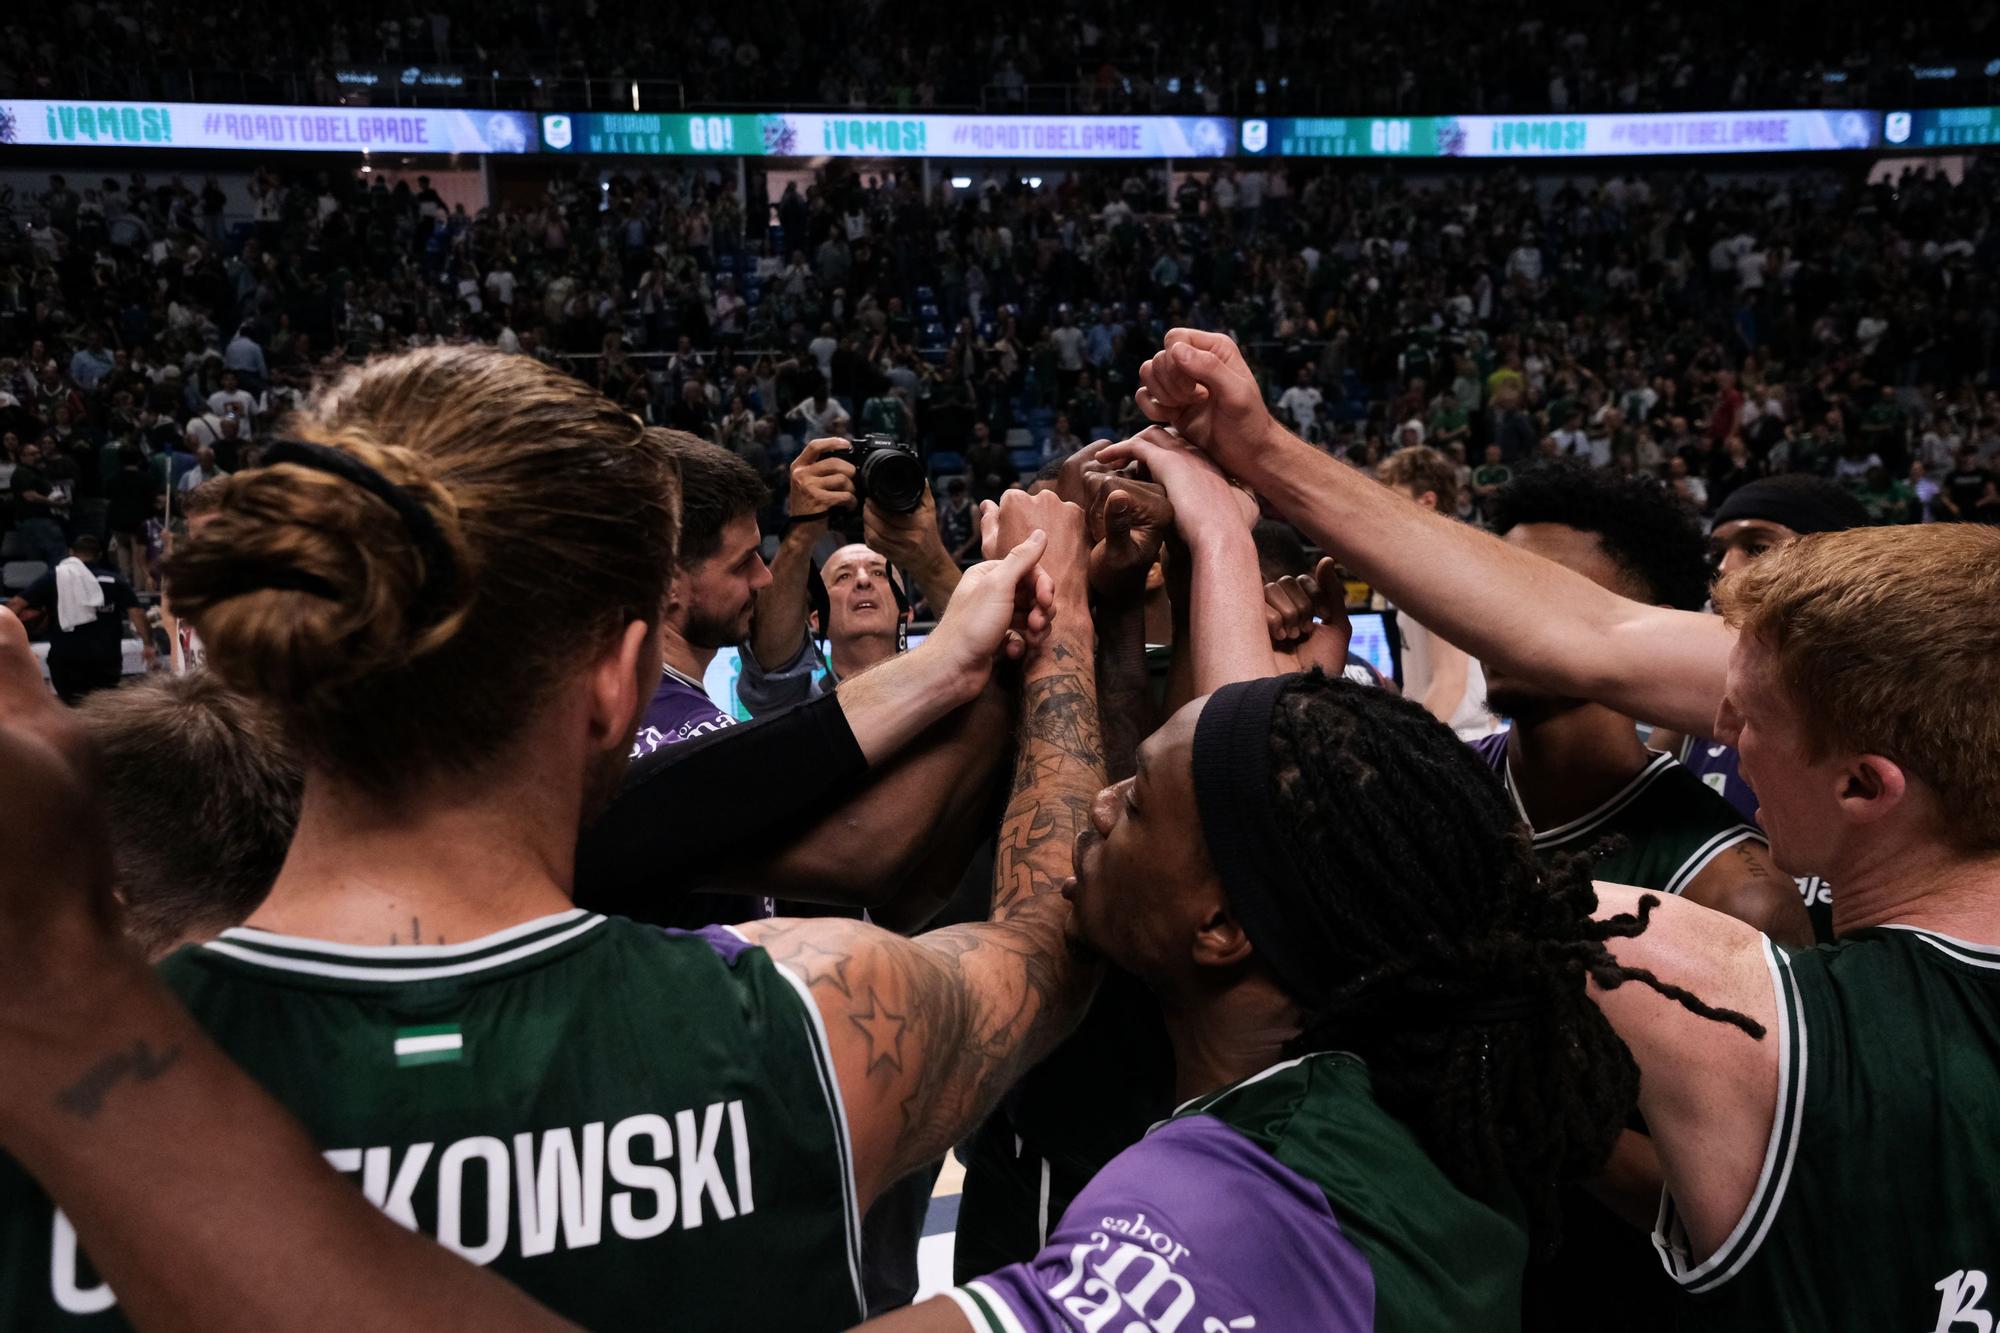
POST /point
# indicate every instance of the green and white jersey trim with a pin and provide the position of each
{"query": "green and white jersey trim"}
(983, 1308)
(1708, 851)
(1576, 830)
(398, 964)
(1963, 951)
(829, 1086)
(1208, 1099)
(1584, 824)
(1741, 1245)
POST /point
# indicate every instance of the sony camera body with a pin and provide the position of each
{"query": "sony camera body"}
(888, 472)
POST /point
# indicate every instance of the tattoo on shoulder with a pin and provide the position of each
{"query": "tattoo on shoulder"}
(1750, 858)
(882, 1028)
(814, 961)
(968, 1002)
(138, 1063)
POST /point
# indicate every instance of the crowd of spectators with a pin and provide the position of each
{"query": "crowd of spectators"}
(1705, 329)
(1099, 55)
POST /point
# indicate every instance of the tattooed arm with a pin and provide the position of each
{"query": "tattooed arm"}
(928, 1033)
(1744, 882)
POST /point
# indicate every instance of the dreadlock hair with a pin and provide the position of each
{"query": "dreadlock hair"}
(1464, 959)
(1646, 534)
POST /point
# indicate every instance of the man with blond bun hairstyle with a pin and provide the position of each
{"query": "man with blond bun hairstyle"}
(1877, 1049)
(445, 589)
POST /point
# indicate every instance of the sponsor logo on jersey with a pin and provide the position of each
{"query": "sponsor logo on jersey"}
(535, 1193)
(1128, 1268)
(1959, 1306)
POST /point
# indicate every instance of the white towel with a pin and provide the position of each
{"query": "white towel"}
(78, 594)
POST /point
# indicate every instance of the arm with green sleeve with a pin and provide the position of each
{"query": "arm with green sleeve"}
(1504, 606)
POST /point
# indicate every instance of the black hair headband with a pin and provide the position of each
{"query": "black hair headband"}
(440, 567)
(1803, 504)
(1232, 790)
(1281, 912)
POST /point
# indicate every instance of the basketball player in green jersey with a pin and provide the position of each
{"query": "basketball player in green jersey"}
(1346, 922)
(1578, 774)
(446, 589)
(1756, 519)
(1858, 673)
(1577, 770)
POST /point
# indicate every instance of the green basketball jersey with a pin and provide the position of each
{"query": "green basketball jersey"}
(1673, 825)
(638, 1127)
(1873, 1210)
(1288, 1202)
(1438, 1258)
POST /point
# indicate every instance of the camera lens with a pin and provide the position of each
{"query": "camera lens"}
(894, 479)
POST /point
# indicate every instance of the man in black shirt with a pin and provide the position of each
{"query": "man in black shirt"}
(34, 518)
(86, 656)
(1962, 489)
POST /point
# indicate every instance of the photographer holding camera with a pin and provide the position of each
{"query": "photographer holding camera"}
(858, 609)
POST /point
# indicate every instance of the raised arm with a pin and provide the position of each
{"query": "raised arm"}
(897, 839)
(822, 480)
(912, 543)
(1230, 639)
(1129, 522)
(928, 1033)
(861, 788)
(1536, 619)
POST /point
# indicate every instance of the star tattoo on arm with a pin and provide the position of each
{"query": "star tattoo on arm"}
(883, 1028)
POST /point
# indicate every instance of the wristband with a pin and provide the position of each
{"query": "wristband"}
(793, 520)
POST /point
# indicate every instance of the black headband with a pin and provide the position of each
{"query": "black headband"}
(440, 567)
(1284, 916)
(1232, 790)
(1803, 504)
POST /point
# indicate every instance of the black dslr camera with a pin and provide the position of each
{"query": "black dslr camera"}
(888, 472)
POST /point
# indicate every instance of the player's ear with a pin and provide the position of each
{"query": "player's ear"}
(1219, 938)
(1871, 787)
(618, 682)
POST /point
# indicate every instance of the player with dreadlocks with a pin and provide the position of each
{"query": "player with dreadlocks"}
(1380, 1004)
(1381, 1009)
(1381, 1022)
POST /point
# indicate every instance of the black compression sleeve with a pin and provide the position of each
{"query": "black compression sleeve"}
(686, 807)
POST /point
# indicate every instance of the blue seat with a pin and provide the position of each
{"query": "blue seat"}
(928, 313)
(925, 295)
(1027, 461)
(725, 262)
(945, 463)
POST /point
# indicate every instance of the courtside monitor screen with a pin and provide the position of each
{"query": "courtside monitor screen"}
(1374, 639)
